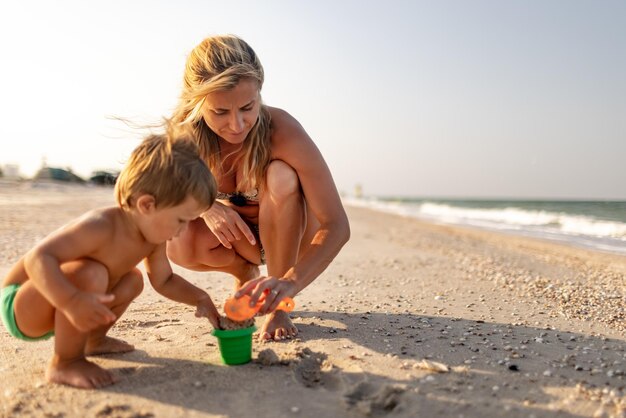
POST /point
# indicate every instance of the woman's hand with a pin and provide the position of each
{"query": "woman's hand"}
(273, 289)
(227, 225)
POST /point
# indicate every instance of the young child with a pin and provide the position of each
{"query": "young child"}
(80, 279)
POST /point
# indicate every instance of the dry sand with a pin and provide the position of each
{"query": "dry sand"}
(410, 320)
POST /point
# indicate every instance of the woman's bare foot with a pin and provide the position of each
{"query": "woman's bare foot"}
(79, 373)
(245, 273)
(106, 345)
(278, 326)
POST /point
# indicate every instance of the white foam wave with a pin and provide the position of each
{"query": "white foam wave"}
(585, 226)
(565, 223)
(504, 218)
(511, 216)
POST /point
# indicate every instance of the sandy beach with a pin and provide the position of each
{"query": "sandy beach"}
(410, 320)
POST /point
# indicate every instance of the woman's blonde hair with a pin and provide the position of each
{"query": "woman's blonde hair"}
(218, 63)
(168, 168)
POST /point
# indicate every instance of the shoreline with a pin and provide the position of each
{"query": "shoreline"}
(411, 319)
(586, 227)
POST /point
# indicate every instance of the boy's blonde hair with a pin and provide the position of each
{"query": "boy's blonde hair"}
(218, 63)
(168, 168)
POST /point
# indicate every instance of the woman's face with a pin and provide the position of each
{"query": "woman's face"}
(231, 114)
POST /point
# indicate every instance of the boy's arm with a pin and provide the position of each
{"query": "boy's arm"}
(174, 287)
(78, 240)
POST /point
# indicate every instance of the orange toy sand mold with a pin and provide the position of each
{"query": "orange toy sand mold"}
(240, 309)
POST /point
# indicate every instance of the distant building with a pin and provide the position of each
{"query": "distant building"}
(104, 178)
(58, 174)
(10, 171)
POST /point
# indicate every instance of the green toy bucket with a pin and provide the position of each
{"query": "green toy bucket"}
(235, 345)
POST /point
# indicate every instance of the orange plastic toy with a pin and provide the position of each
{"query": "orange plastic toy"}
(240, 309)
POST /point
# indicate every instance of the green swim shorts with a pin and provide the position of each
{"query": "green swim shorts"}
(7, 297)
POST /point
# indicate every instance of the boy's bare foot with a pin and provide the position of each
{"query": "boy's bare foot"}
(79, 373)
(278, 326)
(106, 345)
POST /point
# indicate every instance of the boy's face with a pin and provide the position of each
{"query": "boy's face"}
(166, 223)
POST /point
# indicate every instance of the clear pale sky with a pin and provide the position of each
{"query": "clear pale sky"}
(416, 98)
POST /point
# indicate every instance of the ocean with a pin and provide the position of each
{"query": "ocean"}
(597, 225)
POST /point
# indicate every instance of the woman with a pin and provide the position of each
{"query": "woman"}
(277, 202)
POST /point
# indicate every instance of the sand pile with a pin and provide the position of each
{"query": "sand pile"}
(228, 324)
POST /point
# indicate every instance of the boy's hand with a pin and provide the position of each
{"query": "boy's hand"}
(206, 308)
(86, 311)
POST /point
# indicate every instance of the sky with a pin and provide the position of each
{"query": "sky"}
(461, 99)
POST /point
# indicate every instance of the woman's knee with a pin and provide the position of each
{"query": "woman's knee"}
(197, 243)
(177, 253)
(134, 282)
(281, 180)
(218, 257)
(200, 253)
(128, 288)
(87, 275)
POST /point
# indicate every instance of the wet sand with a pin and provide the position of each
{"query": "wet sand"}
(411, 319)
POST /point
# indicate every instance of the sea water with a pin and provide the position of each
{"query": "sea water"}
(598, 225)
